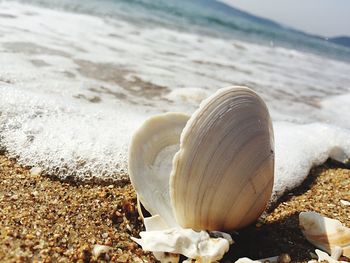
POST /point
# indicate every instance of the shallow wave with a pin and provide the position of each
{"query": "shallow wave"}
(74, 88)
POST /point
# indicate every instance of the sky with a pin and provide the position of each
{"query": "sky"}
(326, 18)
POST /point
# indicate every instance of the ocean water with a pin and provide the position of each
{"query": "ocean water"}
(78, 77)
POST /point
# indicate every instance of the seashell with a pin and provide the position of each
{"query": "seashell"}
(150, 156)
(212, 171)
(324, 257)
(221, 176)
(345, 202)
(248, 260)
(325, 233)
(187, 242)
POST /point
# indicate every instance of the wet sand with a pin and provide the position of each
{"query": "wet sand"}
(43, 219)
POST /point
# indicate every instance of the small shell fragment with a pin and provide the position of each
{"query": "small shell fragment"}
(344, 202)
(192, 244)
(324, 257)
(248, 260)
(36, 171)
(325, 233)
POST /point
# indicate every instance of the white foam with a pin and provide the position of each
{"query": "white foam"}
(66, 137)
(193, 95)
(335, 109)
(300, 147)
(71, 90)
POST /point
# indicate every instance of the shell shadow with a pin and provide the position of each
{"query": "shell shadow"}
(308, 182)
(282, 236)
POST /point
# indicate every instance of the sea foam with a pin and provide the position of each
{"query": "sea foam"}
(74, 88)
(300, 147)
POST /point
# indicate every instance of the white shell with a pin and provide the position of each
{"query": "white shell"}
(197, 245)
(248, 260)
(324, 257)
(325, 233)
(221, 177)
(150, 156)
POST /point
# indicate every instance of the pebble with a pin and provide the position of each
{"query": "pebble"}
(284, 258)
(100, 249)
(14, 197)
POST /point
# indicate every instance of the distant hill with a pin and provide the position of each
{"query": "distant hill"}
(344, 41)
(222, 6)
(230, 10)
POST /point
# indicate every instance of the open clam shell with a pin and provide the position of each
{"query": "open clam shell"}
(211, 171)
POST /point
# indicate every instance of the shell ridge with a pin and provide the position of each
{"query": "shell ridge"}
(220, 180)
(216, 178)
(183, 138)
(269, 183)
(256, 174)
(190, 125)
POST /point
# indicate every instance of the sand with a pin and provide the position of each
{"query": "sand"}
(43, 219)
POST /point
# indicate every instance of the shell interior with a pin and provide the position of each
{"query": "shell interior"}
(150, 161)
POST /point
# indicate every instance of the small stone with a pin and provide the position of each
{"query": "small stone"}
(284, 258)
(343, 258)
(128, 227)
(258, 225)
(123, 258)
(14, 197)
(29, 236)
(313, 255)
(85, 255)
(100, 249)
(137, 260)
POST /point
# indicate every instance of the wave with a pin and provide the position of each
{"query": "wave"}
(76, 86)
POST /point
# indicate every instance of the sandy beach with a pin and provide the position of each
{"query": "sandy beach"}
(47, 220)
(78, 78)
